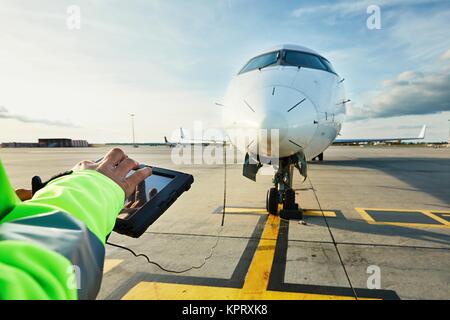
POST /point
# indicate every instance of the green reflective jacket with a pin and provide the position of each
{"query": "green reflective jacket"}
(52, 246)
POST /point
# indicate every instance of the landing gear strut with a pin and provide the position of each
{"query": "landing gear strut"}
(283, 193)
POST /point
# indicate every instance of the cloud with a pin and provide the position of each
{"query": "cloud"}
(445, 55)
(5, 114)
(340, 7)
(351, 7)
(411, 93)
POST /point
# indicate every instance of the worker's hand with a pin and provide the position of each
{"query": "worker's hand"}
(136, 201)
(116, 165)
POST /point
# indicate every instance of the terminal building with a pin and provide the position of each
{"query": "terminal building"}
(48, 143)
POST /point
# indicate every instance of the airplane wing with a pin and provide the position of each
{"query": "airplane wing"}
(420, 137)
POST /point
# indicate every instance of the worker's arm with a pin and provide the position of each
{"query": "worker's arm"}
(52, 246)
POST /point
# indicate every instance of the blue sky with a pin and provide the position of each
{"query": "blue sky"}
(169, 61)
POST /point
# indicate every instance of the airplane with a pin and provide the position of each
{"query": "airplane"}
(185, 141)
(295, 91)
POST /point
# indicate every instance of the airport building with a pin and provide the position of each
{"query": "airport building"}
(20, 145)
(55, 143)
(48, 143)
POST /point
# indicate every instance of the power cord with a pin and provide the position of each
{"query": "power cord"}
(166, 269)
(205, 260)
(334, 240)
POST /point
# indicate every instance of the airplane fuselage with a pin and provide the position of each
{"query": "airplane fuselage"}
(298, 96)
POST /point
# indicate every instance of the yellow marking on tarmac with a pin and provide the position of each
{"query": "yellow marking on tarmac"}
(255, 284)
(435, 217)
(111, 264)
(310, 213)
(439, 211)
(365, 215)
(246, 210)
(318, 213)
(444, 224)
(258, 273)
(411, 225)
(172, 291)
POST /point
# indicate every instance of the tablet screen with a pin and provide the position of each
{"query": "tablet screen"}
(155, 184)
(147, 190)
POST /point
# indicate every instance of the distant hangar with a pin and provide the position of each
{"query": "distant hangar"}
(48, 143)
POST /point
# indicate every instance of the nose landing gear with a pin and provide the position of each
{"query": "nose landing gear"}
(283, 193)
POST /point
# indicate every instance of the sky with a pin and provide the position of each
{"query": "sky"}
(169, 61)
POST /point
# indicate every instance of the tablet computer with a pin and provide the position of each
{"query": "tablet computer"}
(151, 199)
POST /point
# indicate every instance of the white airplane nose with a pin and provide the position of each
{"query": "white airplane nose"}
(285, 118)
(274, 121)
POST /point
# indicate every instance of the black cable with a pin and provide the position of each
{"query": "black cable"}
(163, 268)
(224, 182)
(332, 239)
(217, 236)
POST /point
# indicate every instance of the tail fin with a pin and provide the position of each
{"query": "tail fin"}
(165, 139)
(182, 133)
(422, 133)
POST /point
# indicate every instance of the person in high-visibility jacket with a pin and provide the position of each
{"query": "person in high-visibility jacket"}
(52, 246)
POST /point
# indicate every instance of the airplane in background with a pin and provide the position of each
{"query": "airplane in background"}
(296, 91)
(185, 141)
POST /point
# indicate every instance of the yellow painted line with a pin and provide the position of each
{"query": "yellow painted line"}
(411, 225)
(172, 291)
(370, 220)
(445, 212)
(255, 284)
(259, 271)
(403, 210)
(246, 210)
(111, 264)
(445, 215)
(318, 213)
(435, 217)
(365, 215)
(310, 213)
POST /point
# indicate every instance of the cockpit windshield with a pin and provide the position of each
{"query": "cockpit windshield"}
(328, 65)
(260, 62)
(306, 60)
(289, 58)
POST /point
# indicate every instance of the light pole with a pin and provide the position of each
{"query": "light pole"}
(132, 129)
(448, 142)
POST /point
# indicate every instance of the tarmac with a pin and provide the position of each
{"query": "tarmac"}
(376, 226)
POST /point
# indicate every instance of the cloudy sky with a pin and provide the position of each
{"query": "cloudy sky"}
(168, 61)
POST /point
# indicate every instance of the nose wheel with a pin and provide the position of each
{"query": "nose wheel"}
(272, 201)
(287, 199)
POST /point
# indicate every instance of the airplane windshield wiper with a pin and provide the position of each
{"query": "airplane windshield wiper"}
(270, 63)
(267, 65)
